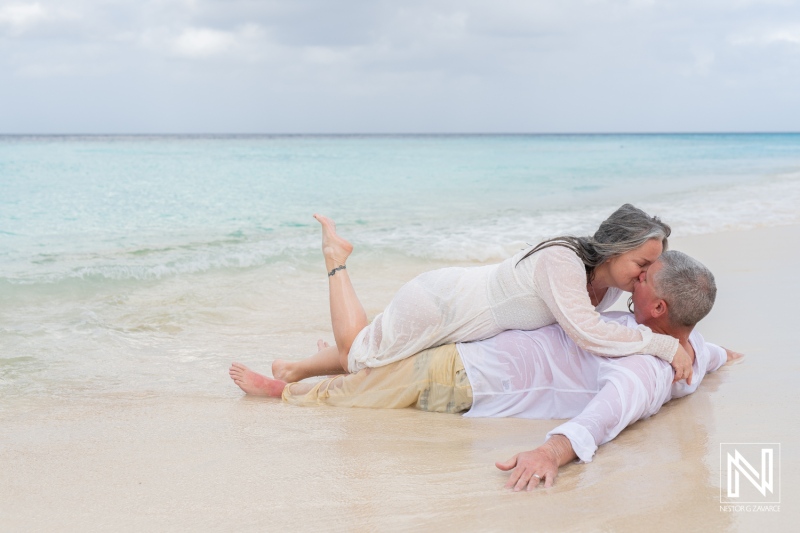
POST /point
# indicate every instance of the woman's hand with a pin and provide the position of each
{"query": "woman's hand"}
(682, 363)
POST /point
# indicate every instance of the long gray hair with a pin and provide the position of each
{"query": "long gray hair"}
(626, 229)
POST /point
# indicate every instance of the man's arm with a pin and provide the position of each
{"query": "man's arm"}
(626, 394)
(719, 356)
(544, 462)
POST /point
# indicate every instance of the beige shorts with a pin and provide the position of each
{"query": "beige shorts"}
(432, 380)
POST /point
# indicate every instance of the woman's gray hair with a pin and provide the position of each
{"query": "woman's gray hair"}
(687, 286)
(626, 229)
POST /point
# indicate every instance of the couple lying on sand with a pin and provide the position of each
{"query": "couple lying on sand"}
(528, 333)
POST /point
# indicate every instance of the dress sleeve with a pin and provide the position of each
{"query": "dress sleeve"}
(560, 280)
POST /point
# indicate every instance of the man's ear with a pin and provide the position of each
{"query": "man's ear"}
(660, 309)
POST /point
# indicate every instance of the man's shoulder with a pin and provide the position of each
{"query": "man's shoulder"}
(621, 317)
(696, 338)
(639, 360)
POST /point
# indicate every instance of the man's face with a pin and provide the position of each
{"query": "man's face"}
(644, 293)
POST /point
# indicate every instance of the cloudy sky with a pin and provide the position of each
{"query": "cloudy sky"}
(361, 66)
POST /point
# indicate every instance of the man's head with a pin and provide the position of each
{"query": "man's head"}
(675, 293)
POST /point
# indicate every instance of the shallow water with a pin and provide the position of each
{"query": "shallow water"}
(135, 264)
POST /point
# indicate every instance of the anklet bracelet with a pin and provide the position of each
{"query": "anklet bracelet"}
(332, 272)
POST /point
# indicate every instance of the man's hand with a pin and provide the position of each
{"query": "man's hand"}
(544, 461)
(526, 464)
(682, 363)
(733, 357)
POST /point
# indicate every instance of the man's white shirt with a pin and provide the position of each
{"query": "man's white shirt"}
(543, 374)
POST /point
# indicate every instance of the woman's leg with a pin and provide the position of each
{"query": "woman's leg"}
(323, 363)
(348, 317)
(254, 383)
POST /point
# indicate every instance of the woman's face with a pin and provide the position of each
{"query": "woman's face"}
(626, 268)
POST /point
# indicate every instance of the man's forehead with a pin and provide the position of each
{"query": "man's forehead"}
(654, 272)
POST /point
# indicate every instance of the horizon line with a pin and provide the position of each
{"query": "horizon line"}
(398, 134)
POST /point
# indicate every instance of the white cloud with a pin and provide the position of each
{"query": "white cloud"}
(202, 42)
(416, 65)
(761, 37)
(21, 16)
(205, 42)
(791, 36)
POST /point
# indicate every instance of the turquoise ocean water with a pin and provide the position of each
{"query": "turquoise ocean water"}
(134, 263)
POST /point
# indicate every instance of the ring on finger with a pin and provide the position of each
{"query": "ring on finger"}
(537, 476)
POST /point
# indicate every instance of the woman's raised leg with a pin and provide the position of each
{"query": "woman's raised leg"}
(348, 317)
(323, 363)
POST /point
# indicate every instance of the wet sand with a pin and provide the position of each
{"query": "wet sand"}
(222, 461)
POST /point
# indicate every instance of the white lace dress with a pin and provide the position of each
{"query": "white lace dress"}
(467, 304)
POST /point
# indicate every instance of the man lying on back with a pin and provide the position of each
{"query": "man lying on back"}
(540, 374)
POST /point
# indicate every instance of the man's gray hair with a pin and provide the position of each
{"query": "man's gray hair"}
(687, 286)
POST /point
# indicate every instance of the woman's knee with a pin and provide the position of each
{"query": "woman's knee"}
(344, 359)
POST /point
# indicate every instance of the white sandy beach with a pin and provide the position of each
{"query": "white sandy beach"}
(221, 461)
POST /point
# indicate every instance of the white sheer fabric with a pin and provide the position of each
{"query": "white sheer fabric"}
(466, 304)
(543, 374)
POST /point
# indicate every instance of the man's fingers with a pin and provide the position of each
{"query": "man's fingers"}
(508, 465)
(512, 480)
(524, 479)
(530, 469)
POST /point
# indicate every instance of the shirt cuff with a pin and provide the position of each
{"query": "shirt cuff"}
(582, 441)
(662, 346)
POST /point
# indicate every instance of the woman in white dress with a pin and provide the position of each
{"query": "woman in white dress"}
(568, 280)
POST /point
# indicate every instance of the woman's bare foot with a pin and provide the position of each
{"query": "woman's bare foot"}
(335, 249)
(254, 383)
(285, 370)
